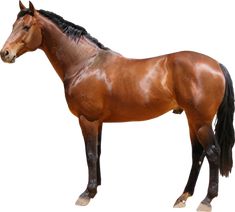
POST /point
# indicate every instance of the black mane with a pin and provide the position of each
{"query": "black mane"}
(71, 30)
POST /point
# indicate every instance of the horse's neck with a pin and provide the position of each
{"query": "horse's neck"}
(66, 55)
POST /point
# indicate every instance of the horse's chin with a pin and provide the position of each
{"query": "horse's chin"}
(10, 62)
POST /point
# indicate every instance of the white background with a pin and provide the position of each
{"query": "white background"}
(145, 165)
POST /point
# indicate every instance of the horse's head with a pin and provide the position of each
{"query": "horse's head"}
(25, 36)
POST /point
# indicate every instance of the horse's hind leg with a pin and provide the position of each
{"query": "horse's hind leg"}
(212, 150)
(197, 160)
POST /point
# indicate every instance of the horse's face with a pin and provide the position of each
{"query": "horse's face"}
(25, 36)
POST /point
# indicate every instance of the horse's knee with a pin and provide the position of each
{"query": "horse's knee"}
(92, 158)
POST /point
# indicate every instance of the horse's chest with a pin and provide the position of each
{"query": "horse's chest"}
(84, 99)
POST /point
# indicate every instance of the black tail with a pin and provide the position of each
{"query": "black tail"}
(224, 130)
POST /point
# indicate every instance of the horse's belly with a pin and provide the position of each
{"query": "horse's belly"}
(120, 113)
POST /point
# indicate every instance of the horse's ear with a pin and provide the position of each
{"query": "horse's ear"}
(22, 7)
(31, 7)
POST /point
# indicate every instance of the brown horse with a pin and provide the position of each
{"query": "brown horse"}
(103, 86)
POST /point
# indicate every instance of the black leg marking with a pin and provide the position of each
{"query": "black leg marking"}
(198, 157)
(212, 154)
(99, 153)
(92, 158)
(197, 160)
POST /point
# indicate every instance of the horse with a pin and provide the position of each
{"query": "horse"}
(104, 86)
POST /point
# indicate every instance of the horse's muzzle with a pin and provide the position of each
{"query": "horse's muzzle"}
(7, 56)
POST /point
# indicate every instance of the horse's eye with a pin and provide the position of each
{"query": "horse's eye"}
(26, 28)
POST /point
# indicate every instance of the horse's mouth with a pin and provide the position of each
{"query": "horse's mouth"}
(13, 59)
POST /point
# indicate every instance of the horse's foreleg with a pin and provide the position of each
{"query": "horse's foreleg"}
(99, 153)
(90, 131)
(197, 160)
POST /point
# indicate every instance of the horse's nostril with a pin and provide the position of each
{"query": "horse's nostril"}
(6, 52)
